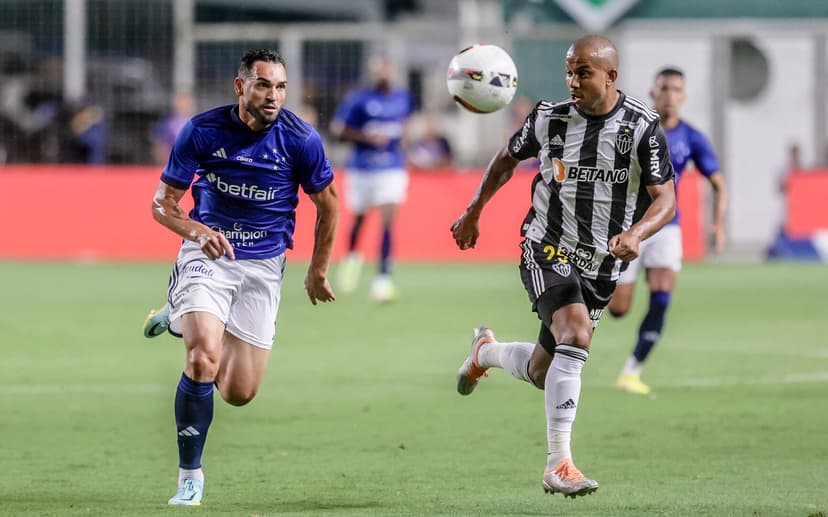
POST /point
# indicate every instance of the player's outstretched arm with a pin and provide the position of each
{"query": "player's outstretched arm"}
(717, 228)
(167, 211)
(466, 229)
(327, 215)
(661, 211)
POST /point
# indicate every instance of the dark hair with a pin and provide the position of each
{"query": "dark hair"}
(670, 72)
(259, 54)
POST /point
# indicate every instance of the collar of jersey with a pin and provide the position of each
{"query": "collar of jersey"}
(618, 104)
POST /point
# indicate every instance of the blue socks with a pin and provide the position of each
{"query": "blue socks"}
(193, 415)
(650, 330)
(385, 251)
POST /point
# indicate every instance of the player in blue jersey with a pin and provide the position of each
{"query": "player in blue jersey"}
(661, 255)
(248, 161)
(373, 119)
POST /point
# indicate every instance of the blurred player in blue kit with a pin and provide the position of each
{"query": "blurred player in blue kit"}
(374, 120)
(661, 255)
(248, 160)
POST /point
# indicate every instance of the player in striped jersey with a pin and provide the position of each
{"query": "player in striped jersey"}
(661, 255)
(605, 184)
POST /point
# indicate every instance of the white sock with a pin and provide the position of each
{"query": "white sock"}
(190, 473)
(562, 390)
(558, 448)
(512, 357)
(632, 367)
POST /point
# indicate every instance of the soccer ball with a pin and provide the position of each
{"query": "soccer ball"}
(482, 78)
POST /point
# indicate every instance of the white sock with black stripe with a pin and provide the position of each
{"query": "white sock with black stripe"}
(562, 390)
(512, 357)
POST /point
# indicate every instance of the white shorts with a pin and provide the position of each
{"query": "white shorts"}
(366, 189)
(662, 250)
(244, 294)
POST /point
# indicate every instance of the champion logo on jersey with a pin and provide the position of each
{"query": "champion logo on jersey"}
(220, 153)
(557, 141)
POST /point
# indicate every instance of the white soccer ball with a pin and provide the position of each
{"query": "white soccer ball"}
(482, 78)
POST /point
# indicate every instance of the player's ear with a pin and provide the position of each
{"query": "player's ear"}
(238, 85)
(612, 75)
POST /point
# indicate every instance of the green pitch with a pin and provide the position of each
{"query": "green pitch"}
(358, 414)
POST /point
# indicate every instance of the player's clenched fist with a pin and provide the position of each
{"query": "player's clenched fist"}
(215, 245)
(318, 288)
(465, 231)
(624, 246)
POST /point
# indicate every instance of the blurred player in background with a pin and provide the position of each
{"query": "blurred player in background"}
(661, 255)
(250, 159)
(182, 107)
(605, 184)
(373, 119)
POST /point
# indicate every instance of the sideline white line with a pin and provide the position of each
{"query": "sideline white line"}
(792, 378)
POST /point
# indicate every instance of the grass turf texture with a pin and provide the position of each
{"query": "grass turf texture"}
(358, 414)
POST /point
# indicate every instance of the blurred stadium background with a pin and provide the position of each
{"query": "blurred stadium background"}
(85, 83)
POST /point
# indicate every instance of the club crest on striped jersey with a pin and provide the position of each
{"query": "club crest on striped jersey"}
(624, 141)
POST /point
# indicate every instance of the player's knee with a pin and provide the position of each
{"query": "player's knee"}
(203, 365)
(238, 397)
(618, 312)
(576, 335)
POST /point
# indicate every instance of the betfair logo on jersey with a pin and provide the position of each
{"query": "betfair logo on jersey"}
(244, 190)
(595, 174)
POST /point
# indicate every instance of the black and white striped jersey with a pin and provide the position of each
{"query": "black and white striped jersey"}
(592, 179)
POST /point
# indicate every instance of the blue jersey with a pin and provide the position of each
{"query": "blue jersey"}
(248, 181)
(376, 113)
(688, 143)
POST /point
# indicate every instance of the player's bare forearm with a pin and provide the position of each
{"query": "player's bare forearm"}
(719, 198)
(660, 212)
(499, 171)
(327, 217)
(167, 211)
(717, 228)
(466, 229)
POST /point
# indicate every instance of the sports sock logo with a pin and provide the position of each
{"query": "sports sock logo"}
(569, 404)
(188, 431)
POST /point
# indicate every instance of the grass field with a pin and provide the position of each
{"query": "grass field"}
(358, 413)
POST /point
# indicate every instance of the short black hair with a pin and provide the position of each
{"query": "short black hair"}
(259, 54)
(670, 71)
